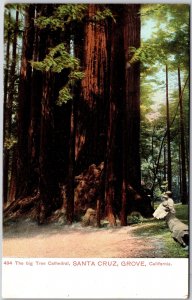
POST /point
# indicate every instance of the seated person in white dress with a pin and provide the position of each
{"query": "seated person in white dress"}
(166, 207)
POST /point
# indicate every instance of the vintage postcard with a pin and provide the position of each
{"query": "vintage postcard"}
(95, 150)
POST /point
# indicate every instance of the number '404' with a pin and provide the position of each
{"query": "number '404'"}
(7, 262)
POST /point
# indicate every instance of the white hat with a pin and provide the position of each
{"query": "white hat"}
(168, 193)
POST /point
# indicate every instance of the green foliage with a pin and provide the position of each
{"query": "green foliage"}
(63, 15)
(134, 218)
(76, 75)
(167, 44)
(170, 39)
(9, 21)
(182, 213)
(64, 95)
(149, 9)
(57, 60)
(69, 13)
(102, 15)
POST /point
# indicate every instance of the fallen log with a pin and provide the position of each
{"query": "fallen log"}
(180, 231)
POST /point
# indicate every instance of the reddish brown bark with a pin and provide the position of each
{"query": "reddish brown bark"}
(70, 180)
(113, 164)
(132, 94)
(23, 105)
(47, 173)
(12, 184)
(91, 108)
(131, 108)
(57, 143)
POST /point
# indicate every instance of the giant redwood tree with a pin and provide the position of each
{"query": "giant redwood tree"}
(78, 107)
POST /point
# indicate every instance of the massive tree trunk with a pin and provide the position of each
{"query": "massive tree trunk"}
(57, 143)
(132, 97)
(22, 180)
(131, 107)
(113, 159)
(91, 107)
(47, 177)
(123, 148)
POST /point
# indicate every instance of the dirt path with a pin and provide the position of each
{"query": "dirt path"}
(29, 240)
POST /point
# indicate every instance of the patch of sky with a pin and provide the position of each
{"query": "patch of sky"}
(148, 29)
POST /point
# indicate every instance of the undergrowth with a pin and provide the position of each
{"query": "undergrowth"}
(159, 229)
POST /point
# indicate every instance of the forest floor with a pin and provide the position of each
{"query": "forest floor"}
(27, 239)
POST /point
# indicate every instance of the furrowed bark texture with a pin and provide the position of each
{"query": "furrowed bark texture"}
(131, 107)
(24, 105)
(91, 108)
(113, 173)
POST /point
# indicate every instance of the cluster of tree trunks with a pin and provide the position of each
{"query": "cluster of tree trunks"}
(98, 131)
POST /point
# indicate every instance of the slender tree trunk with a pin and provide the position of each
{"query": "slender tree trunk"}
(164, 164)
(70, 184)
(11, 93)
(180, 172)
(9, 97)
(152, 148)
(98, 212)
(184, 196)
(6, 151)
(6, 71)
(12, 185)
(169, 171)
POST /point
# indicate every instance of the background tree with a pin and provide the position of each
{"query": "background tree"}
(12, 32)
(161, 48)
